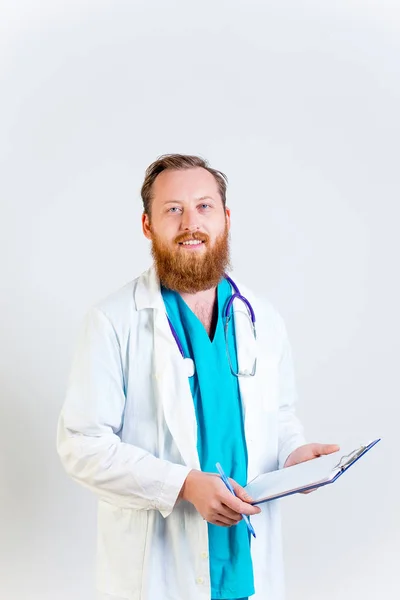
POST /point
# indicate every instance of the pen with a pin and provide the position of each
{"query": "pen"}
(230, 488)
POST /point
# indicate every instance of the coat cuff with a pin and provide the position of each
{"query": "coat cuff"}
(173, 482)
(288, 448)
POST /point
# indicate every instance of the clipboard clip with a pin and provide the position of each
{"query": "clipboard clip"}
(348, 459)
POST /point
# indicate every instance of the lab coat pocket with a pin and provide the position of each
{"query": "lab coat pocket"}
(120, 548)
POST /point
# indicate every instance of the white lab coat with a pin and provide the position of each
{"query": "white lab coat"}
(128, 433)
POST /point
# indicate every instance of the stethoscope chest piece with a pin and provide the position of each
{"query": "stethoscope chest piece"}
(189, 366)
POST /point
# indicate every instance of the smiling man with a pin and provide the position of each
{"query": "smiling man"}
(168, 379)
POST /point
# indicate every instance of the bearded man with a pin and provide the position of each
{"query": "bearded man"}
(176, 371)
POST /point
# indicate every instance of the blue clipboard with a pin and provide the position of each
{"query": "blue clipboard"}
(264, 489)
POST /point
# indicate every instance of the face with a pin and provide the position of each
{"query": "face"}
(189, 230)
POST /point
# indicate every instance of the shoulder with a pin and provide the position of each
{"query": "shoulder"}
(118, 308)
(117, 301)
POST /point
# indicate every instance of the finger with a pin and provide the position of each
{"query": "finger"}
(309, 491)
(250, 509)
(331, 448)
(226, 520)
(240, 492)
(239, 506)
(220, 524)
(228, 512)
(322, 449)
(241, 503)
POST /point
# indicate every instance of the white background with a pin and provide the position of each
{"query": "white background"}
(298, 102)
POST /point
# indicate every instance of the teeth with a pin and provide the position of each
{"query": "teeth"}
(192, 243)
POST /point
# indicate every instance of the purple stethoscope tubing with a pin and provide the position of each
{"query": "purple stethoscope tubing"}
(238, 295)
(227, 315)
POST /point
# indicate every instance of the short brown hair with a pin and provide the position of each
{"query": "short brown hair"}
(177, 162)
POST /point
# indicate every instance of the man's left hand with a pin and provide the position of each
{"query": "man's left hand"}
(308, 452)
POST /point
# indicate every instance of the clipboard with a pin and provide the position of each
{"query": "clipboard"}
(305, 476)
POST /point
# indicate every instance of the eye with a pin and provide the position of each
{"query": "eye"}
(205, 206)
(174, 209)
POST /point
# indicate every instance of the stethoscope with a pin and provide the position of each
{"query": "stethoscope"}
(227, 317)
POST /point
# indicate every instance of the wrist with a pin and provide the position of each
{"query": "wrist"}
(185, 492)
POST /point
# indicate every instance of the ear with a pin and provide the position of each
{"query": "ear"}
(228, 218)
(146, 226)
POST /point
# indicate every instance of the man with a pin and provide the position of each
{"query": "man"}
(160, 392)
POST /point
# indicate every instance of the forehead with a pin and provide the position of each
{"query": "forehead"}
(185, 185)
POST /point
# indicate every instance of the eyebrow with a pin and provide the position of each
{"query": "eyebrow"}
(196, 200)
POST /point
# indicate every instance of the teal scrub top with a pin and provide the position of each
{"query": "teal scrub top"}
(220, 430)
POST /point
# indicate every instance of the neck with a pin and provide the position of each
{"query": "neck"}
(205, 296)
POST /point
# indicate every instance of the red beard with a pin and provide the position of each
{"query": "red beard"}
(187, 271)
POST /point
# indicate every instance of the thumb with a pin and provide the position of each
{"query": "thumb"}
(321, 449)
(240, 492)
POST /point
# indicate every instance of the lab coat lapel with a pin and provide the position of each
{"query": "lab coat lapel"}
(173, 388)
(170, 376)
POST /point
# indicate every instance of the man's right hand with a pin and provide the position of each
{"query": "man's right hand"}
(212, 499)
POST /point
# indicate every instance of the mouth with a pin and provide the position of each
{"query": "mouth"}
(191, 244)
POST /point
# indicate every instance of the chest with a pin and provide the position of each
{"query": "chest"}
(206, 312)
(159, 411)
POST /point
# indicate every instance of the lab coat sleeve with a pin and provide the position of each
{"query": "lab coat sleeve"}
(87, 442)
(290, 430)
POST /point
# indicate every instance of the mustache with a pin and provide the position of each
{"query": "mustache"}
(186, 237)
(187, 272)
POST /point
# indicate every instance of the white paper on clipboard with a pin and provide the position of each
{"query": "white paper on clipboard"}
(304, 476)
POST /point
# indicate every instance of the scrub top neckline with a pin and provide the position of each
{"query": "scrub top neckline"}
(218, 309)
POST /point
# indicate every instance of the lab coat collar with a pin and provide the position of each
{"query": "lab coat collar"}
(148, 290)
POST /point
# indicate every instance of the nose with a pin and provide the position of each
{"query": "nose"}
(189, 221)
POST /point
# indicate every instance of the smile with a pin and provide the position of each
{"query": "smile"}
(192, 243)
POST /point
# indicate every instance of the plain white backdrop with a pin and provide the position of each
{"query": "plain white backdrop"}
(298, 102)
